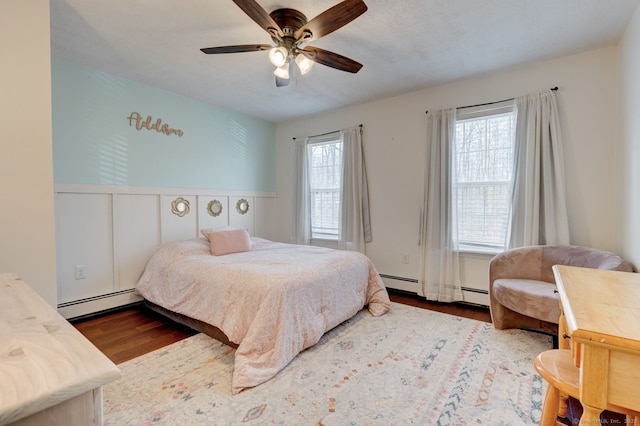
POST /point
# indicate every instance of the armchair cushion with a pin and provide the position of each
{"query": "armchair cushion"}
(536, 299)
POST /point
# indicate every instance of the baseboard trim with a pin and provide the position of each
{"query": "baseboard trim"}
(82, 308)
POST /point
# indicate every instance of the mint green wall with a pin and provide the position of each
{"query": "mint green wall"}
(93, 142)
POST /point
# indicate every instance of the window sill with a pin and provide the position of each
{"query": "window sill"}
(483, 252)
(324, 243)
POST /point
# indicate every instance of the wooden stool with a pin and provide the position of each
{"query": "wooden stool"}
(556, 366)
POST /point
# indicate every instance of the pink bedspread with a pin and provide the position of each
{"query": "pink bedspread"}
(273, 301)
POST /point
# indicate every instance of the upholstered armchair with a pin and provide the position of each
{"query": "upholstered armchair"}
(522, 290)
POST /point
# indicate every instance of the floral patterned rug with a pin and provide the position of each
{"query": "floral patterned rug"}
(410, 366)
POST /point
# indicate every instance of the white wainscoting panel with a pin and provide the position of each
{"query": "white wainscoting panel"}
(136, 235)
(84, 239)
(206, 220)
(112, 231)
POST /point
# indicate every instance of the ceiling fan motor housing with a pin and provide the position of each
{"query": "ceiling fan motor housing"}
(289, 20)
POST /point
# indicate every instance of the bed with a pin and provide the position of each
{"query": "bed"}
(270, 300)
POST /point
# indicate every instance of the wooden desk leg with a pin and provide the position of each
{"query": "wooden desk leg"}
(590, 415)
(563, 343)
(594, 382)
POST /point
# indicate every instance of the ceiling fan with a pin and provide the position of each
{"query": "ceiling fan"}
(289, 29)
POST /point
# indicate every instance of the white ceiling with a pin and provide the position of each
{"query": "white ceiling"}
(404, 45)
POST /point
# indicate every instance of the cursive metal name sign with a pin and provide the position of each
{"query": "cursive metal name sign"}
(135, 119)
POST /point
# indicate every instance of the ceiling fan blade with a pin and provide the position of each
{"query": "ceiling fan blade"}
(236, 49)
(260, 16)
(331, 19)
(332, 60)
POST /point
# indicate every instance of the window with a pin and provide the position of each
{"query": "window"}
(484, 173)
(325, 177)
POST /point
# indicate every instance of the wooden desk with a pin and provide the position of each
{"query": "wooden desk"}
(50, 374)
(602, 313)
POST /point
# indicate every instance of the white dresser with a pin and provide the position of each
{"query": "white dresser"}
(50, 374)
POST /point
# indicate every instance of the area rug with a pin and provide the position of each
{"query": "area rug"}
(410, 366)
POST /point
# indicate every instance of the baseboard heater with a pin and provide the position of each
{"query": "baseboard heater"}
(413, 280)
(93, 298)
(475, 290)
(393, 277)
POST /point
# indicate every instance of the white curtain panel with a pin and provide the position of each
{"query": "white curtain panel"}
(538, 209)
(355, 223)
(302, 206)
(440, 263)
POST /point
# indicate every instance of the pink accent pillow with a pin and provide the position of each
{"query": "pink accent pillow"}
(227, 242)
(206, 231)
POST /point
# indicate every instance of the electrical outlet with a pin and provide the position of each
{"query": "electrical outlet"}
(81, 272)
(405, 257)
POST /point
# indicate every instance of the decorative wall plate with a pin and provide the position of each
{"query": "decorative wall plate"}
(214, 208)
(180, 207)
(242, 206)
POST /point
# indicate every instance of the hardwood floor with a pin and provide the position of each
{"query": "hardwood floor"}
(128, 333)
(479, 313)
(133, 331)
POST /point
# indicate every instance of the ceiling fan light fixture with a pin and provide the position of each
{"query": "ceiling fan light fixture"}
(289, 28)
(278, 56)
(303, 63)
(282, 71)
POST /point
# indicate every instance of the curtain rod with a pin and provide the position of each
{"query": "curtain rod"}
(325, 134)
(491, 103)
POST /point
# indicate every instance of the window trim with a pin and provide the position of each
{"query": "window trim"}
(324, 139)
